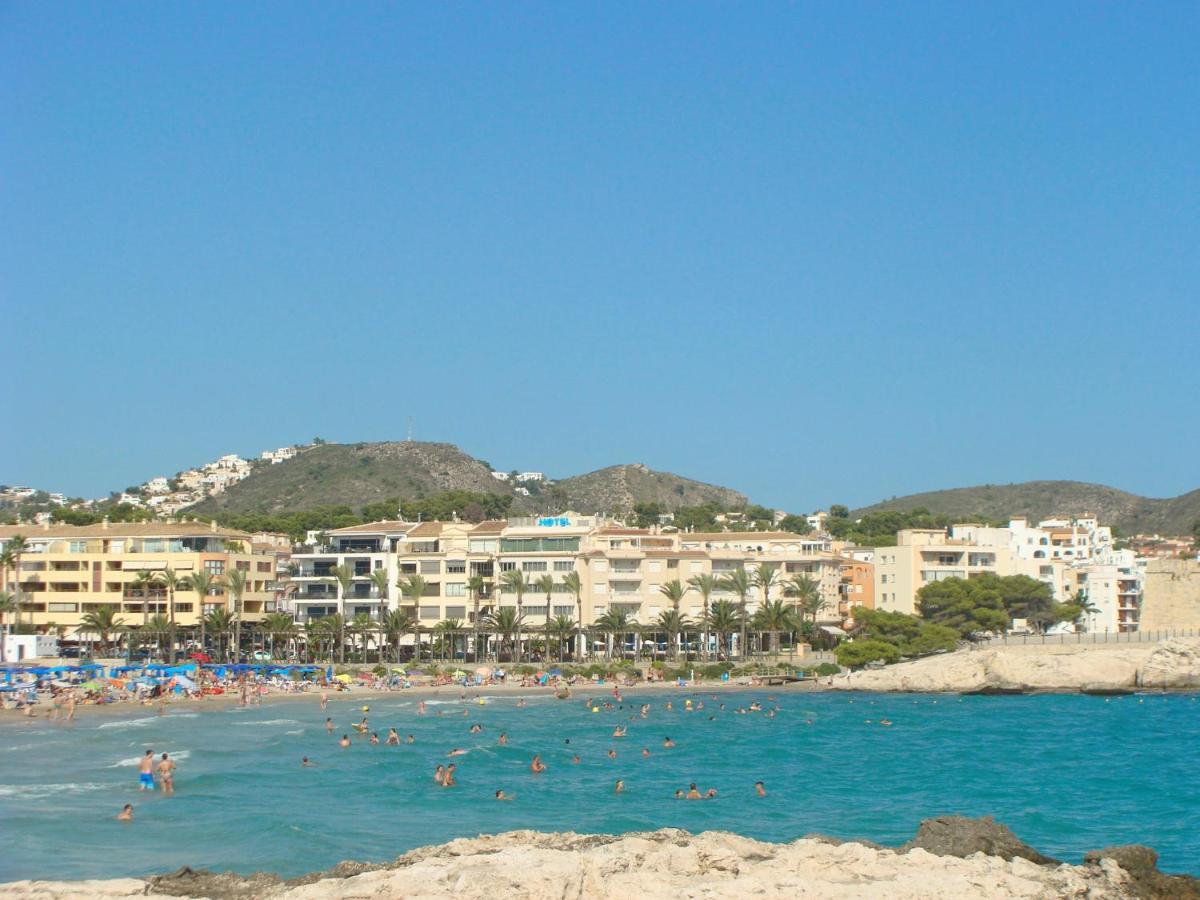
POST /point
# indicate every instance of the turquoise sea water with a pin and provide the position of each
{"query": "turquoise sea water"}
(1067, 773)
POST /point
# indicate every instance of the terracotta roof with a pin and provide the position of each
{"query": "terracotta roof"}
(615, 530)
(426, 529)
(492, 526)
(744, 536)
(390, 526)
(122, 529)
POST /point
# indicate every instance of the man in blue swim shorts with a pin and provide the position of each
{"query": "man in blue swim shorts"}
(146, 772)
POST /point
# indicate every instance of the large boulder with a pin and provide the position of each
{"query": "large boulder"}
(961, 836)
(1141, 865)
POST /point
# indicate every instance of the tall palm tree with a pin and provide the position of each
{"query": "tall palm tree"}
(343, 577)
(775, 617)
(413, 589)
(673, 590)
(739, 582)
(672, 623)
(545, 584)
(807, 593)
(337, 632)
(397, 623)
(704, 585)
(157, 625)
(449, 629)
(202, 583)
(574, 584)
(142, 583)
(170, 580)
(514, 582)
(235, 586)
(379, 580)
(476, 585)
(362, 626)
(103, 621)
(14, 548)
(316, 632)
(724, 619)
(220, 623)
(8, 606)
(504, 622)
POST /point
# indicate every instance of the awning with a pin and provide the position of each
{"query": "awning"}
(834, 630)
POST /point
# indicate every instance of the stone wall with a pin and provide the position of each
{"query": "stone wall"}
(1171, 594)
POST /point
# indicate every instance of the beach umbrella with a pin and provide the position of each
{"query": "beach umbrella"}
(457, 673)
(399, 670)
(344, 678)
(92, 685)
(555, 673)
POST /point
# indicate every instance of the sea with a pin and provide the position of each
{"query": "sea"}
(1067, 773)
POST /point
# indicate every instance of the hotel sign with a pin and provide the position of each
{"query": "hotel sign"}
(553, 522)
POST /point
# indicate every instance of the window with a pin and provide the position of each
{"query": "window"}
(62, 607)
(456, 612)
(485, 546)
(456, 589)
(672, 564)
(456, 566)
(430, 567)
(655, 566)
(243, 565)
(564, 611)
(264, 567)
(214, 566)
(508, 567)
(601, 565)
(564, 565)
(431, 612)
(535, 610)
(77, 547)
(530, 566)
(696, 566)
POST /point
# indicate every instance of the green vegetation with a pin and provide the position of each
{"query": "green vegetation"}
(878, 529)
(989, 603)
(858, 653)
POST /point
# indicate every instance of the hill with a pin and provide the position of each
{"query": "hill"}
(618, 488)
(354, 475)
(1130, 513)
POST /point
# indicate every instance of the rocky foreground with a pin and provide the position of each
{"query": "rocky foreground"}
(950, 857)
(1168, 665)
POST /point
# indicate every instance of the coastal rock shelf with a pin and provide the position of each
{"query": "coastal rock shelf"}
(946, 859)
(1169, 665)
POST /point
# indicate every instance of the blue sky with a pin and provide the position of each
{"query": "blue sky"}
(818, 252)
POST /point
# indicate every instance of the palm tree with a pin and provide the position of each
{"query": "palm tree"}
(235, 586)
(574, 584)
(220, 623)
(514, 582)
(616, 622)
(704, 585)
(362, 626)
(171, 581)
(278, 625)
(775, 617)
(202, 583)
(724, 618)
(396, 624)
(158, 625)
(545, 584)
(142, 582)
(673, 590)
(476, 585)
(561, 627)
(103, 621)
(7, 606)
(739, 582)
(449, 629)
(379, 580)
(505, 621)
(413, 589)
(315, 633)
(343, 577)
(14, 549)
(337, 631)
(672, 623)
(809, 600)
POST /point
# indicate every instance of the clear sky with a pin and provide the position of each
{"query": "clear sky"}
(819, 252)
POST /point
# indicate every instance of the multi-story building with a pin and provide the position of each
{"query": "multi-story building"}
(67, 571)
(857, 581)
(619, 568)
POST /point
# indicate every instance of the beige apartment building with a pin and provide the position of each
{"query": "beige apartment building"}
(925, 555)
(619, 568)
(67, 571)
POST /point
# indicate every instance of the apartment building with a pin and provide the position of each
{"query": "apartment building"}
(1069, 555)
(619, 568)
(67, 571)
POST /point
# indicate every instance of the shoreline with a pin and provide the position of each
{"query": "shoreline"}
(949, 856)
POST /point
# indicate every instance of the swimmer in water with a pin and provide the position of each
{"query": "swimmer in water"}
(374, 737)
(457, 751)
(759, 789)
(521, 703)
(410, 740)
(449, 781)
(612, 754)
(645, 752)
(306, 763)
(503, 741)
(324, 699)
(668, 743)
(329, 726)
(475, 729)
(421, 708)
(166, 774)
(439, 774)
(126, 813)
(537, 766)
(500, 795)
(345, 741)
(393, 738)
(679, 794)
(619, 731)
(620, 786)
(710, 794)
(693, 792)
(575, 759)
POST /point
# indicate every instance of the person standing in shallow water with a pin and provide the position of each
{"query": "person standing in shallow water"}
(146, 772)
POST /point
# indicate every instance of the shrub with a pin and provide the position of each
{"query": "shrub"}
(379, 669)
(858, 653)
(827, 669)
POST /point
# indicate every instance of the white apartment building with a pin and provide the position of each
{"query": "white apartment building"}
(157, 485)
(280, 455)
(1067, 554)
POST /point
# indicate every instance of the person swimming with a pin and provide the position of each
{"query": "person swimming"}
(710, 794)
(575, 759)
(537, 766)
(668, 743)
(410, 740)
(500, 795)
(457, 751)
(393, 738)
(612, 754)
(619, 787)
(345, 741)
(126, 813)
(693, 792)
(619, 731)
(374, 737)
(439, 774)
(503, 740)
(679, 794)
(449, 781)
(476, 728)
(645, 752)
(306, 763)
(759, 789)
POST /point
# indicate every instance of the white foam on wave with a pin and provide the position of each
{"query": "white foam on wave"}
(270, 722)
(134, 760)
(41, 790)
(297, 731)
(131, 723)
